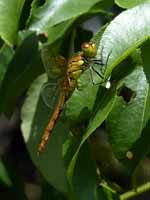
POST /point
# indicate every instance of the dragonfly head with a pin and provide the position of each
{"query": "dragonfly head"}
(89, 49)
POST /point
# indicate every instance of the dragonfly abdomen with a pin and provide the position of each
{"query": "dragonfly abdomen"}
(51, 124)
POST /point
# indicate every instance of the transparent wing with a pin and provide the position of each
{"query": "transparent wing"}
(50, 93)
(55, 65)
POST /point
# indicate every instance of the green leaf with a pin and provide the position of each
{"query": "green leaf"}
(4, 177)
(21, 71)
(35, 117)
(54, 12)
(147, 109)
(6, 54)
(100, 113)
(56, 29)
(106, 193)
(145, 58)
(101, 194)
(127, 118)
(129, 3)
(10, 12)
(123, 35)
(85, 178)
(141, 148)
(104, 4)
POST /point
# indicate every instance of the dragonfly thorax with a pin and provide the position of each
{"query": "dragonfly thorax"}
(74, 70)
(75, 66)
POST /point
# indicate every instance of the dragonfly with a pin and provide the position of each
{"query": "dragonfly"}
(63, 78)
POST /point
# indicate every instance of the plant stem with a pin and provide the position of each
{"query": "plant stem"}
(107, 187)
(135, 192)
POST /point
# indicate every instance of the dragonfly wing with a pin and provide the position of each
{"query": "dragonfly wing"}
(50, 94)
(55, 65)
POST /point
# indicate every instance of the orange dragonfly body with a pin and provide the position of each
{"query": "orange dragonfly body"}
(69, 74)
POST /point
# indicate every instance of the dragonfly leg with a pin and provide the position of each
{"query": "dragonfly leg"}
(107, 60)
(99, 74)
(98, 61)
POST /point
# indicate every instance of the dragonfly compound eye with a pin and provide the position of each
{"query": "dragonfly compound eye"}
(89, 49)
